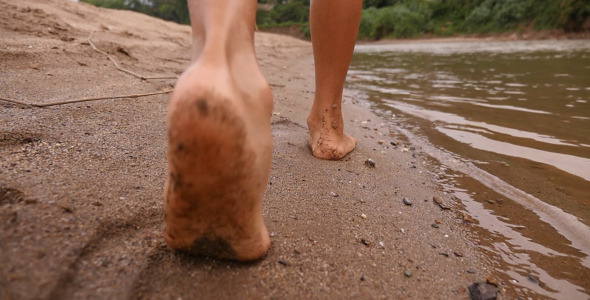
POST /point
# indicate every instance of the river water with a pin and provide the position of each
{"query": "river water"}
(508, 126)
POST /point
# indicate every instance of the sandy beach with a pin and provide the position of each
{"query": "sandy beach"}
(81, 184)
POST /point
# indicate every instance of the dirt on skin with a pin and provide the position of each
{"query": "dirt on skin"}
(81, 209)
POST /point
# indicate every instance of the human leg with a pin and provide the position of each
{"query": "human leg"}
(334, 26)
(219, 138)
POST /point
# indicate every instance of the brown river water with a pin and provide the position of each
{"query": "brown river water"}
(508, 126)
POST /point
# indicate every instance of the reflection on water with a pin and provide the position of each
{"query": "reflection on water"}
(517, 118)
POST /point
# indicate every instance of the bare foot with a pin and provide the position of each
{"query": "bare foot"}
(219, 155)
(326, 137)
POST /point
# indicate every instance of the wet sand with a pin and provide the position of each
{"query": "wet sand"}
(81, 184)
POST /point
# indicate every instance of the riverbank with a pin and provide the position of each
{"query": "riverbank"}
(491, 37)
(81, 184)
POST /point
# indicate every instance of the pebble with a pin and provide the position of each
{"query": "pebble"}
(491, 280)
(407, 273)
(31, 201)
(284, 263)
(440, 203)
(370, 163)
(458, 254)
(363, 216)
(407, 201)
(470, 271)
(362, 278)
(434, 225)
(393, 143)
(532, 279)
(402, 230)
(333, 194)
(381, 142)
(483, 291)
(365, 242)
(467, 218)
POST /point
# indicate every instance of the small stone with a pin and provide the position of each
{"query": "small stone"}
(284, 263)
(434, 225)
(437, 200)
(444, 254)
(370, 163)
(393, 143)
(407, 273)
(437, 221)
(440, 203)
(407, 201)
(363, 216)
(381, 142)
(31, 201)
(532, 279)
(402, 230)
(333, 194)
(365, 242)
(483, 291)
(381, 244)
(468, 219)
(491, 201)
(444, 207)
(66, 208)
(491, 280)
(470, 271)
(362, 278)
(458, 254)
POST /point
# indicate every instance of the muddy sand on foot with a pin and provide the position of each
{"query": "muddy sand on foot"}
(81, 209)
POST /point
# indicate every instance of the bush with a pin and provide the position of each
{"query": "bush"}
(368, 22)
(509, 13)
(478, 17)
(395, 21)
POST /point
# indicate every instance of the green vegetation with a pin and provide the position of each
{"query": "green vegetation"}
(410, 18)
(403, 18)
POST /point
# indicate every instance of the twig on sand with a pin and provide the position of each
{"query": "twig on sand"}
(83, 99)
(14, 101)
(121, 68)
(38, 104)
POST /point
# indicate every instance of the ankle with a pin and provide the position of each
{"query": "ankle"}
(326, 119)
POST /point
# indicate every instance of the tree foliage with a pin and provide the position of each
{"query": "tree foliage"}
(406, 18)
(402, 18)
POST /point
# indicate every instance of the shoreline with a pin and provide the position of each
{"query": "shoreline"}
(495, 37)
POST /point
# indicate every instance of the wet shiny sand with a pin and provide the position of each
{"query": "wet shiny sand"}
(509, 125)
